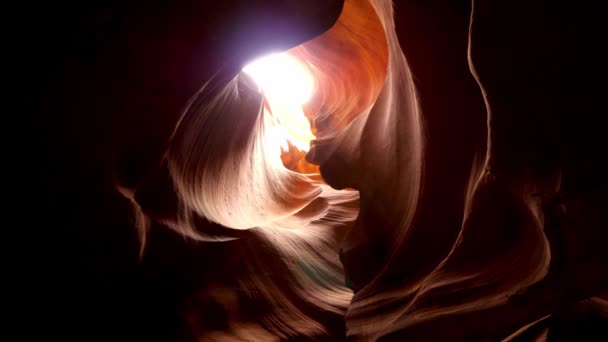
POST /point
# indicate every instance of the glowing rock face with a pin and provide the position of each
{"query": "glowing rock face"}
(293, 225)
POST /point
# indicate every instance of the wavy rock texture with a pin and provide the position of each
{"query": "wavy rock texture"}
(497, 269)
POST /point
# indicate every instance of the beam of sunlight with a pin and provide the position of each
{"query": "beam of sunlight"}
(287, 84)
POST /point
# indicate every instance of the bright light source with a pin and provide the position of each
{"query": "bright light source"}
(287, 84)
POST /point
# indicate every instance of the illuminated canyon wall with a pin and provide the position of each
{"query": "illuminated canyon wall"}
(364, 234)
